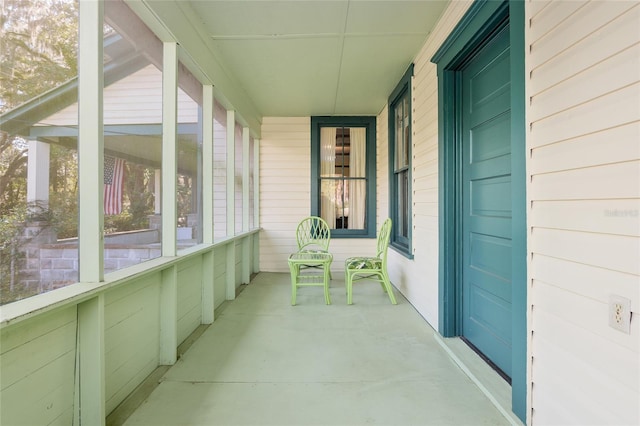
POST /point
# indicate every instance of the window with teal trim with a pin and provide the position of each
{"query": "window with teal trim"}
(343, 174)
(400, 164)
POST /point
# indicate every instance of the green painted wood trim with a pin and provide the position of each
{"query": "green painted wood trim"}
(169, 148)
(208, 290)
(231, 271)
(168, 354)
(368, 122)
(404, 246)
(207, 164)
(231, 172)
(91, 144)
(519, 337)
(90, 359)
(113, 130)
(245, 178)
(480, 21)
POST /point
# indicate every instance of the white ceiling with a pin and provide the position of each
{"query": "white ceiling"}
(322, 57)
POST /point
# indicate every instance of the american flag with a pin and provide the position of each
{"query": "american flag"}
(113, 177)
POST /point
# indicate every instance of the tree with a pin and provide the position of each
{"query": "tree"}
(39, 48)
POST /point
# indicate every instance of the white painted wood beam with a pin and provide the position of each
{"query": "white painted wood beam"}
(231, 204)
(208, 293)
(169, 316)
(256, 204)
(90, 142)
(169, 148)
(90, 362)
(207, 164)
(38, 176)
(246, 243)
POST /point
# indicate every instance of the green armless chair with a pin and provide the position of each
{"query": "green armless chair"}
(371, 268)
(313, 236)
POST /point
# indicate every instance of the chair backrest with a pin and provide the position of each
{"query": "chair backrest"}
(313, 233)
(383, 240)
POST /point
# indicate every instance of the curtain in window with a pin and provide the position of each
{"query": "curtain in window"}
(357, 187)
(328, 169)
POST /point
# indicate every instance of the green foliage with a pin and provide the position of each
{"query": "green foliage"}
(39, 45)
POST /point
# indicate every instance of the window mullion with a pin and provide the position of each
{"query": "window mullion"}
(91, 143)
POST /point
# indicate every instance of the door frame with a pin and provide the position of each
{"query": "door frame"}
(480, 22)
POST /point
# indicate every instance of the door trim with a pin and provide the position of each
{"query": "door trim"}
(481, 21)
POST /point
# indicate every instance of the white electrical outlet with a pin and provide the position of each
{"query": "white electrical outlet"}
(620, 313)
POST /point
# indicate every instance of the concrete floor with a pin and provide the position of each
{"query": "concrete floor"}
(265, 362)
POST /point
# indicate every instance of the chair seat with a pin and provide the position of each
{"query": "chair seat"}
(363, 263)
(312, 251)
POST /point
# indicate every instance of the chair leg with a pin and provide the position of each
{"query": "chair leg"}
(349, 282)
(327, 296)
(387, 285)
(295, 270)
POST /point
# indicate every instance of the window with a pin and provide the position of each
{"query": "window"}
(132, 110)
(189, 183)
(400, 163)
(38, 148)
(343, 174)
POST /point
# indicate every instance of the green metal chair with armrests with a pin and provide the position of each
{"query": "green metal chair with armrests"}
(372, 268)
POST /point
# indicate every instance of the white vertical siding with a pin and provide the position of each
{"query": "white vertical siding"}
(37, 367)
(417, 278)
(584, 198)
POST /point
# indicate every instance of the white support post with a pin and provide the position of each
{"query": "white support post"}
(207, 163)
(169, 148)
(246, 242)
(90, 362)
(157, 191)
(208, 293)
(169, 316)
(231, 173)
(256, 204)
(90, 142)
(38, 176)
(231, 205)
(208, 300)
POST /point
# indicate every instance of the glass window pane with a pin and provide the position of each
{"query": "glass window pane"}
(132, 105)
(328, 201)
(356, 204)
(38, 149)
(358, 152)
(403, 204)
(402, 133)
(328, 151)
(189, 189)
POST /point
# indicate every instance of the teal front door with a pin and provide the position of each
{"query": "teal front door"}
(486, 200)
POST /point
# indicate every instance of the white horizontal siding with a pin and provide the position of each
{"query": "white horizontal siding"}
(135, 99)
(189, 297)
(132, 336)
(37, 368)
(417, 278)
(584, 202)
(285, 195)
(285, 179)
